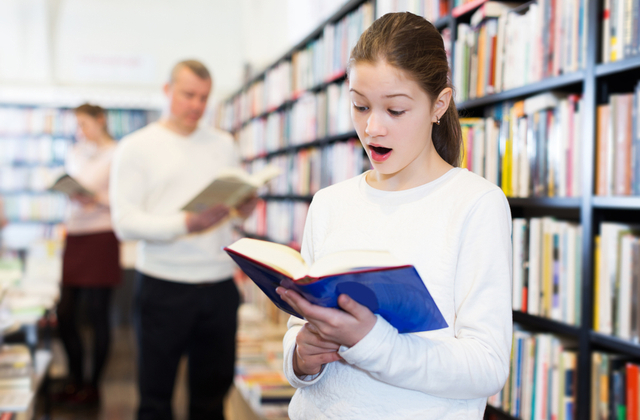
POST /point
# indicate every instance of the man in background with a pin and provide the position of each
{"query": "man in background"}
(185, 299)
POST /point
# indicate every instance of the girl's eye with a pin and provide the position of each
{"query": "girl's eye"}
(360, 108)
(395, 113)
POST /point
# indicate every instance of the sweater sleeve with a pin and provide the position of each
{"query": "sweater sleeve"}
(127, 187)
(475, 362)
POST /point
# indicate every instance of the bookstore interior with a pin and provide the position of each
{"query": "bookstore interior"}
(548, 94)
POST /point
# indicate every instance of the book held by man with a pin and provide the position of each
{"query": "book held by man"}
(70, 186)
(375, 279)
(231, 187)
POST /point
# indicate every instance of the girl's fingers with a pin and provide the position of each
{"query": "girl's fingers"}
(307, 309)
(310, 335)
(352, 307)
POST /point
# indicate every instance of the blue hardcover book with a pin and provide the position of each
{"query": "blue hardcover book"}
(373, 278)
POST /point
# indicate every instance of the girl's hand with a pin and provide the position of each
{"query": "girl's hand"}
(345, 327)
(312, 352)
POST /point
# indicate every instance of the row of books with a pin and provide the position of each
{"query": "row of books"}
(305, 172)
(618, 145)
(620, 30)
(542, 379)
(281, 221)
(42, 150)
(615, 389)
(27, 178)
(503, 49)
(25, 207)
(432, 10)
(318, 115)
(61, 122)
(121, 122)
(529, 148)
(547, 268)
(617, 281)
(15, 120)
(322, 60)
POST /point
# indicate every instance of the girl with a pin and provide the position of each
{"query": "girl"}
(91, 262)
(451, 224)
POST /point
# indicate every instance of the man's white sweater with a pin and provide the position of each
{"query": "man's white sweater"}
(155, 173)
(456, 232)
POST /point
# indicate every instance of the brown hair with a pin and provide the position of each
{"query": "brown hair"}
(94, 111)
(195, 66)
(411, 43)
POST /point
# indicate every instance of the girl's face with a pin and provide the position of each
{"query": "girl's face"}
(90, 127)
(393, 117)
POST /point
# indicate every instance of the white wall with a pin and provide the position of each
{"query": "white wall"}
(135, 43)
(129, 46)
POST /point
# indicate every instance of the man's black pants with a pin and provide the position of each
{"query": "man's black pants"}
(172, 319)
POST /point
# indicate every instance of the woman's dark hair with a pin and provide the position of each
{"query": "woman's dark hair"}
(411, 43)
(94, 111)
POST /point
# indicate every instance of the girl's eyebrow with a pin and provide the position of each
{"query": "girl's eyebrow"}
(386, 96)
(398, 94)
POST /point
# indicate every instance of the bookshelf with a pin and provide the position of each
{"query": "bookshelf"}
(34, 141)
(588, 77)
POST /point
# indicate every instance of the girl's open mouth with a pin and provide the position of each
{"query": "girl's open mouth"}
(379, 153)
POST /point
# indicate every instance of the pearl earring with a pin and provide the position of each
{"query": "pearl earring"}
(438, 122)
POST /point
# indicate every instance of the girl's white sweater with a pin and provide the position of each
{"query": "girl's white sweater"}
(456, 231)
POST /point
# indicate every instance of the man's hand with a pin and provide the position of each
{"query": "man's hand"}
(246, 208)
(197, 222)
(312, 352)
(345, 327)
(83, 199)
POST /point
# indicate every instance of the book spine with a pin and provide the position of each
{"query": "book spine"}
(606, 32)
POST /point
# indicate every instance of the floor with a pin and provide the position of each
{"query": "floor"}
(118, 389)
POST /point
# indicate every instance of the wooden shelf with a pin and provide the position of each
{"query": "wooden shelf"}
(614, 344)
(545, 324)
(315, 143)
(623, 203)
(527, 90)
(570, 203)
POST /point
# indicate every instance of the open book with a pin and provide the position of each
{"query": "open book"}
(373, 278)
(231, 187)
(68, 185)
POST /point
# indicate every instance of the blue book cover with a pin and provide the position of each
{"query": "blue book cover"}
(396, 293)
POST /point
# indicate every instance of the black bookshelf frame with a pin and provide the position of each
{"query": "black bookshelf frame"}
(589, 206)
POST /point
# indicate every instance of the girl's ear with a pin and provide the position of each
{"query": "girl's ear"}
(442, 103)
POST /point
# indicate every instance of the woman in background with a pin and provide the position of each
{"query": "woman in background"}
(91, 264)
